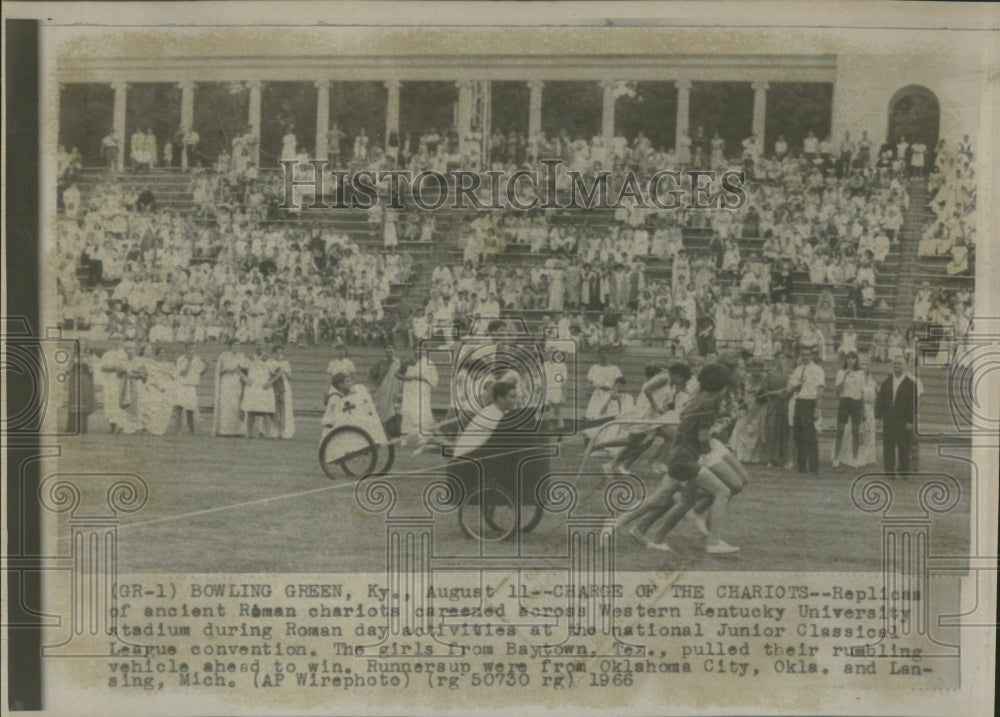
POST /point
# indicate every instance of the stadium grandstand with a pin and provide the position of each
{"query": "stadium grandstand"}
(857, 232)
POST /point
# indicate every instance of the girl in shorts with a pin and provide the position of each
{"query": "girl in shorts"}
(697, 464)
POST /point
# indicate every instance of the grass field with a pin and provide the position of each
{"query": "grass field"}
(236, 505)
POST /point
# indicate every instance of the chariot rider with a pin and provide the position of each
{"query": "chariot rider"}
(481, 457)
(350, 404)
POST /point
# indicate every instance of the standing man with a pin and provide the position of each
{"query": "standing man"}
(81, 392)
(806, 387)
(776, 413)
(341, 363)
(333, 139)
(895, 407)
(109, 149)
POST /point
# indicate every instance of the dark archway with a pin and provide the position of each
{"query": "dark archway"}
(723, 107)
(652, 110)
(86, 114)
(571, 106)
(914, 113)
(221, 111)
(286, 106)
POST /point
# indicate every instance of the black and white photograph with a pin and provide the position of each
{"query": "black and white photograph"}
(372, 347)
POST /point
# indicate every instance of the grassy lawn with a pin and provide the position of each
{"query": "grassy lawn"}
(235, 505)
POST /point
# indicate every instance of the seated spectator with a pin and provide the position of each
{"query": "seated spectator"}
(959, 262)
(848, 342)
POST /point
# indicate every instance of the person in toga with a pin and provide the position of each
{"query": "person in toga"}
(385, 376)
(81, 392)
(187, 371)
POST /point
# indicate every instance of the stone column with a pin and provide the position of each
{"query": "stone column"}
(608, 118)
(121, 90)
(759, 110)
(535, 108)
(392, 111)
(55, 97)
(683, 109)
(254, 118)
(464, 119)
(187, 116)
(322, 117)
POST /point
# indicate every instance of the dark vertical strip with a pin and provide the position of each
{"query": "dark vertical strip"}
(24, 672)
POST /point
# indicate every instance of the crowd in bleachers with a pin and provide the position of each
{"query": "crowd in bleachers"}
(835, 220)
(832, 212)
(953, 202)
(131, 271)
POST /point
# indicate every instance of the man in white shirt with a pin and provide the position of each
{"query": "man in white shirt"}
(340, 364)
(806, 387)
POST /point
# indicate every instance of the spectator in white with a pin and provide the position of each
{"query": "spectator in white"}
(151, 150)
(965, 147)
(138, 149)
(333, 139)
(959, 262)
(825, 152)
(900, 159)
(810, 146)
(71, 201)
(780, 147)
(601, 377)
(879, 350)
(341, 363)
(109, 150)
(390, 238)
(918, 154)
(922, 303)
(806, 387)
(683, 149)
(289, 147)
(281, 374)
(864, 155)
(419, 378)
(848, 342)
(189, 142)
(846, 155)
(187, 372)
(867, 298)
(488, 307)
(897, 344)
(360, 146)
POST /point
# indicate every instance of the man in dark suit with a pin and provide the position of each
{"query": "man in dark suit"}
(896, 407)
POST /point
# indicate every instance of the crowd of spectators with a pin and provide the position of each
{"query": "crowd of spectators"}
(628, 278)
(953, 203)
(129, 270)
(233, 269)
